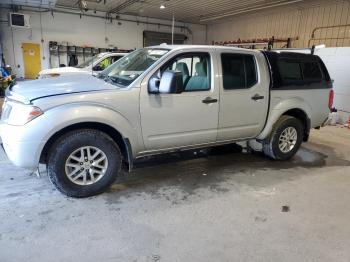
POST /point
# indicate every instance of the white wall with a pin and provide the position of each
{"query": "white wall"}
(337, 61)
(87, 31)
(295, 20)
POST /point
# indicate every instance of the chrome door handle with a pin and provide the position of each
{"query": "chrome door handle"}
(209, 100)
(257, 97)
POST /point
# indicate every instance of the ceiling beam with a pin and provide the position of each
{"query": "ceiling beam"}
(122, 6)
(247, 10)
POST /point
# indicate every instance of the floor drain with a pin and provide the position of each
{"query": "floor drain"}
(285, 208)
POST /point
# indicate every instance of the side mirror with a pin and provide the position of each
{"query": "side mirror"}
(153, 85)
(170, 83)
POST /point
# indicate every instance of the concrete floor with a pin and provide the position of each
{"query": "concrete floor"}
(219, 206)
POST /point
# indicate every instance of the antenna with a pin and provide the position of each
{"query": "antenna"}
(172, 30)
(92, 65)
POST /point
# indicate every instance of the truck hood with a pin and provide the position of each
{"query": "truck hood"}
(61, 70)
(27, 91)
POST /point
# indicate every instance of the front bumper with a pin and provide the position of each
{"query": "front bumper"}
(22, 152)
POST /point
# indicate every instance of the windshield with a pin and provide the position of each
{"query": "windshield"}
(88, 62)
(127, 69)
(103, 74)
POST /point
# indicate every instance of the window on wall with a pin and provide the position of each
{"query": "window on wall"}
(238, 71)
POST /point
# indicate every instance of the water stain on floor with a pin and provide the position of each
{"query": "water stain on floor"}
(217, 169)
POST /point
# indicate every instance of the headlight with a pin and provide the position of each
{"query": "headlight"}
(22, 114)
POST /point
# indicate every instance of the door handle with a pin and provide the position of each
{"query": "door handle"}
(209, 100)
(257, 97)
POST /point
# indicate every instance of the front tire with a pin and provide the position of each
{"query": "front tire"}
(83, 163)
(285, 138)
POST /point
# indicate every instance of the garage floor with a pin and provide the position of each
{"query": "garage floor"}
(214, 206)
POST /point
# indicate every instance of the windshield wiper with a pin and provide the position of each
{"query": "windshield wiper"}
(113, 80)
(101, 76)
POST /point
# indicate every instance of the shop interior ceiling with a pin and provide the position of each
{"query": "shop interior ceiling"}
(189, 11)
(192, 11)
(32, 3)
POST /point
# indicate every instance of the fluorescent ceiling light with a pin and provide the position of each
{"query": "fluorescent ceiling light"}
(162, 6)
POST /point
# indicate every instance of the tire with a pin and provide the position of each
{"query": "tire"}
(272, 145)
(79, 145)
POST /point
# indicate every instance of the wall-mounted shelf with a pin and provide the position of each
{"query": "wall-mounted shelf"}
(60, 54)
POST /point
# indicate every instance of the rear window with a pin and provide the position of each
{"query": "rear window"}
(289, 71)
(298, 72)
(293, 71)
(311, 71)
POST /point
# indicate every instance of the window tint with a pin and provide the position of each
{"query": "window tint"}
(250, 70)
(297, 71)
(239, 71)
(195, 69)
(289, 71)
(311, 71)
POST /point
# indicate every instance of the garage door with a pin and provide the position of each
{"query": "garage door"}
(151, 38)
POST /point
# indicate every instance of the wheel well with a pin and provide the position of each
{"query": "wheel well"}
(113, 133)
(301, 115)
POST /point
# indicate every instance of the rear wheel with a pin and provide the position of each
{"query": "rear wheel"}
(83, 163)
(285, 138)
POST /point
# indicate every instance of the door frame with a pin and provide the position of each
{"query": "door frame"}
(263, 78)
(214, 90)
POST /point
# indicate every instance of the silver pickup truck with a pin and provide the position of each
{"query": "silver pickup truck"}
(162, 99)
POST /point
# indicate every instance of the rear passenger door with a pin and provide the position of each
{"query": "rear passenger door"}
(244, 95)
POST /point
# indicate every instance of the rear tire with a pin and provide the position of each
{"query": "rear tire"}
(285, 138)
(83, 163)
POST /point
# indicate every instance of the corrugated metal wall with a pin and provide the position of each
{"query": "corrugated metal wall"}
(297, 20)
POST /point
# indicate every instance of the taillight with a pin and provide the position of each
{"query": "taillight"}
(331, 99)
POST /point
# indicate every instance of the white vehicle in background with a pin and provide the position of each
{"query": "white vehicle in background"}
(92, 65)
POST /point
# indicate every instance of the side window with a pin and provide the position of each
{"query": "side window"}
(104, 64)
(238, 70)
(290, 71)
(195, 69)
(251, 73)
(115, 59)
(311, 71)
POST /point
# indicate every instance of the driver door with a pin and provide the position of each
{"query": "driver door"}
(186, 119)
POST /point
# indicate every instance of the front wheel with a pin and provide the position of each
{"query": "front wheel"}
(83, 163)
(285, 138)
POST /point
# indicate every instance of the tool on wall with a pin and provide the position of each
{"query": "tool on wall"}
(71, 55)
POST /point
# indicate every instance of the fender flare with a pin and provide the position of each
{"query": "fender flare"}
(280, 109)
(59, 118)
